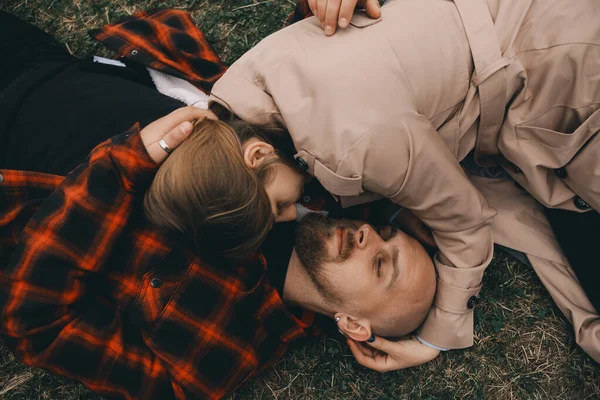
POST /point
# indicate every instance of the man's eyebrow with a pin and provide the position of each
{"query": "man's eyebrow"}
(395, 254)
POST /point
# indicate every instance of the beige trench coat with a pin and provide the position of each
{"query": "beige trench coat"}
(521, 224)
(387, 107)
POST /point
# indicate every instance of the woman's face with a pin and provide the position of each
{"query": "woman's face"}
(284, 190)
(284, 184)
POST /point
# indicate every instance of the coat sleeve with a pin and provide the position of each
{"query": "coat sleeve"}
(406, 160)
(243, 89)
(51, 313)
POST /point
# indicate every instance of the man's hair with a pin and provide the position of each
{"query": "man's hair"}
(312, 253)
(206, 191)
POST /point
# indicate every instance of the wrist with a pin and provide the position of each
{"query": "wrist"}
(431, 345)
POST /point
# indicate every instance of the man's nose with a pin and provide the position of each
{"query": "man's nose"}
(362, 237)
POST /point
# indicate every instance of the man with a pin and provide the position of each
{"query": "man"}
(388, 107)
(91, 291)
(147, 317)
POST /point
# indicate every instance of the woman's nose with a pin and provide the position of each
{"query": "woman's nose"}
(287, 214)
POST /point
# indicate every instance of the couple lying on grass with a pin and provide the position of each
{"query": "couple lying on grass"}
(184, 280)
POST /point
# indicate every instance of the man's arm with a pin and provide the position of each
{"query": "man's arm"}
(407, 160)
(51, 317)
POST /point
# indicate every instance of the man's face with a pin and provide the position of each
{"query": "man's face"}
(365, 274)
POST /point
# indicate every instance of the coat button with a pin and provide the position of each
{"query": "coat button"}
(134, 52)
(302, 164)
(561, 172)
(473, 300)
(580, 203)
(1, 178)
(156, 283)
(306, 199)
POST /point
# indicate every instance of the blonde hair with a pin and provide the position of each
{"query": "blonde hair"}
(206, 191)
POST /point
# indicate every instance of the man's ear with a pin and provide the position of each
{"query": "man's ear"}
(358, 329)
(256, 152)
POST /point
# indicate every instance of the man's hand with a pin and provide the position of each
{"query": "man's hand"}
(332, 13)
(173, 129)
(384, 355)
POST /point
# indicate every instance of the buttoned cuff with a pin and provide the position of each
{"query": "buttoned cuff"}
(455, 300)
(449, 323)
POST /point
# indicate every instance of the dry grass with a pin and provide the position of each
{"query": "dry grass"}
(524, 347)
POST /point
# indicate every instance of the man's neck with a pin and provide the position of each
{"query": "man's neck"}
(300, 290)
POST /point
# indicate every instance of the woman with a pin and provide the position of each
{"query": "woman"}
(101, 290)
(207, 199)
(80, 104)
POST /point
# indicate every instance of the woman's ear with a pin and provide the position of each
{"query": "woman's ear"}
(358, 329)
(256, 152)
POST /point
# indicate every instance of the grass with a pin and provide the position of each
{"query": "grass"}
(524, 348)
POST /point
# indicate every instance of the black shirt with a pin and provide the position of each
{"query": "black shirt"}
(56, 114)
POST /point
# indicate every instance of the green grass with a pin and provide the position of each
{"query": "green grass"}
(524, 348)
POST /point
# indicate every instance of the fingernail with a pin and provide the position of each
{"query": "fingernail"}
(186, 127)
(328, 30)
(343, 23)
(371, 339)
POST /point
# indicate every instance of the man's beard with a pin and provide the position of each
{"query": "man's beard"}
(313, 234)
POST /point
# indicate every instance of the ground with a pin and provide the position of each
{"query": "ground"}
(524, 347)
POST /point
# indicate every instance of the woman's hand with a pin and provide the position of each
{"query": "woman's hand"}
(385, 355)
(173, 129)
(332, 13)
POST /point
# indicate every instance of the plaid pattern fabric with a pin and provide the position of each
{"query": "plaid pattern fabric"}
(92, 292)
(167, 41)
(22, 194)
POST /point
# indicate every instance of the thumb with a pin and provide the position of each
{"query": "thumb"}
(373, 9)
(179, 134)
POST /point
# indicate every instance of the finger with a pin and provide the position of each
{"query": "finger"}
(367, 361)
(156, 130)
(373, 9)
(387, 346)
(312, 4)
(331, 16)
(362, 348)
(346, 11)
(321, 8)
(173, 139)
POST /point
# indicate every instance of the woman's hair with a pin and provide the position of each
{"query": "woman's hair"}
(206, 191)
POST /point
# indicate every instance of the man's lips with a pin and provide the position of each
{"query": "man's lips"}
(340, 236)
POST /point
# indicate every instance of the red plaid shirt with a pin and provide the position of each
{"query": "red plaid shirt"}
(94, 293)
(90, 291)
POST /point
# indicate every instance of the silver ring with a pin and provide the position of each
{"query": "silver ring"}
(165, 146)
